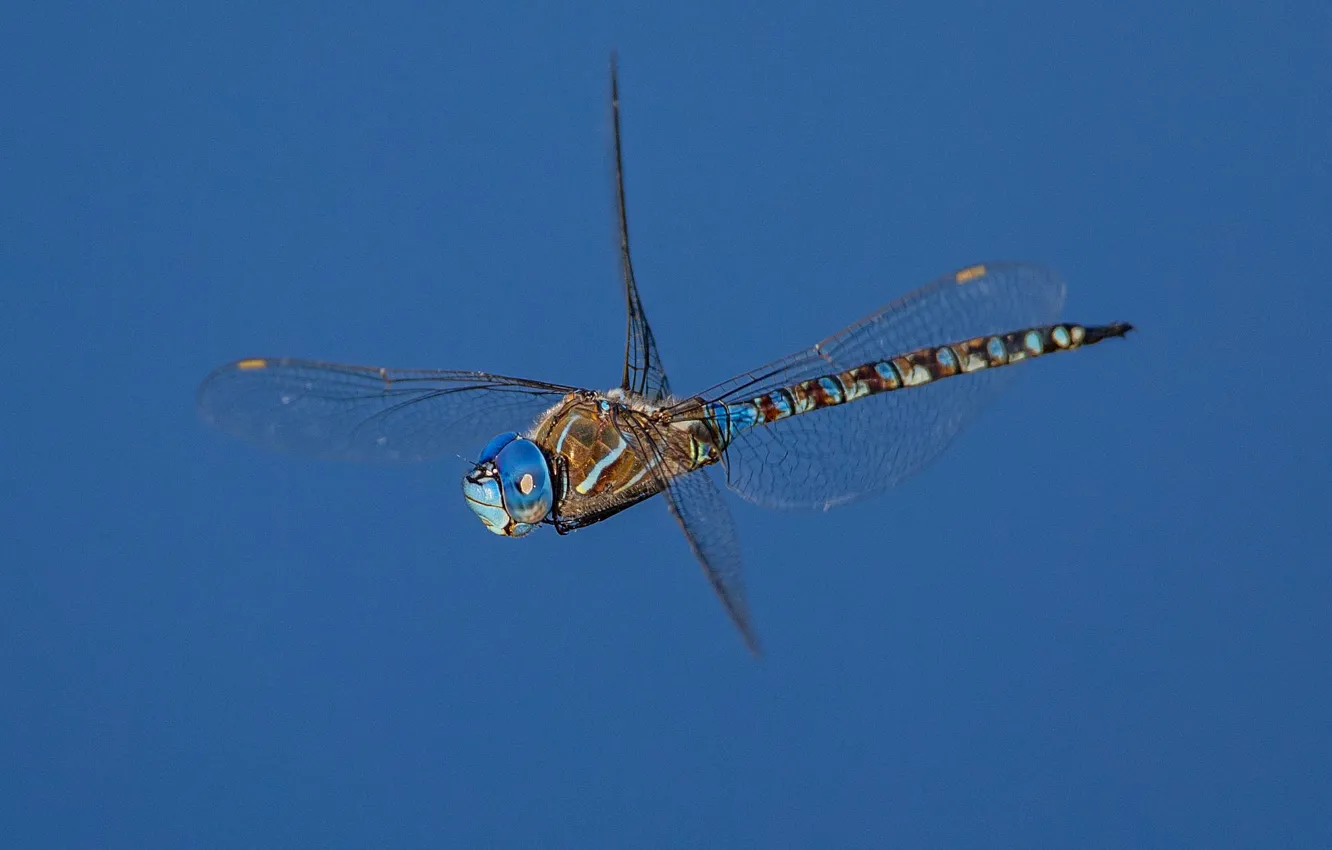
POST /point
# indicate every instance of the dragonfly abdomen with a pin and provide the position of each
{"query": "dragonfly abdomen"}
(905, 371)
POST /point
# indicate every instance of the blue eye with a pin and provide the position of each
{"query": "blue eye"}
(509, 488)
(496, 443)
(525, 480)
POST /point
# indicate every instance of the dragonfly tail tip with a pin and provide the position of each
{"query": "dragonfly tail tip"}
(1114, 329)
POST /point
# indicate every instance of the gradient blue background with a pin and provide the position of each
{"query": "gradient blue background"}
(206, 645)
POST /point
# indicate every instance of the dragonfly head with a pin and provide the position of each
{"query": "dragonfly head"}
(509, 488)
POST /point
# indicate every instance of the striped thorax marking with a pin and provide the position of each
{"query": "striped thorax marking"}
(610, 452)
(564, 435)
(594, 474)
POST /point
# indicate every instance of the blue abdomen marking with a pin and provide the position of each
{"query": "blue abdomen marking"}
(904, 371)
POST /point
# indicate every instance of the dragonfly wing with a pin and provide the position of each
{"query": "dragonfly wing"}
(697, 505)
(837, 454)
(643, 372)
(332, 410)
(832, 456)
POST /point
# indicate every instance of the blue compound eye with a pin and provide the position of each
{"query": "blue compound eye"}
(525, 481)
(509, 488)
(496, 443)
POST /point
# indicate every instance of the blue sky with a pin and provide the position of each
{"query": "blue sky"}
(204, 644)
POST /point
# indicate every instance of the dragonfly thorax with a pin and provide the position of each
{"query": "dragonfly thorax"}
(509, 488)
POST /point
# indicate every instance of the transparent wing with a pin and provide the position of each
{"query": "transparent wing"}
(698, 506)
(841, 453)
(344, 412)
(643, 372)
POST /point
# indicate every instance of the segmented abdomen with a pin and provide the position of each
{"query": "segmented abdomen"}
(904, 371)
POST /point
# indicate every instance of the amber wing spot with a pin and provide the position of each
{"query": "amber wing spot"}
(248, 365)
(969, 274)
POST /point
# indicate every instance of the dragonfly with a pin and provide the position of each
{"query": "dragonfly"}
(842, 419)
